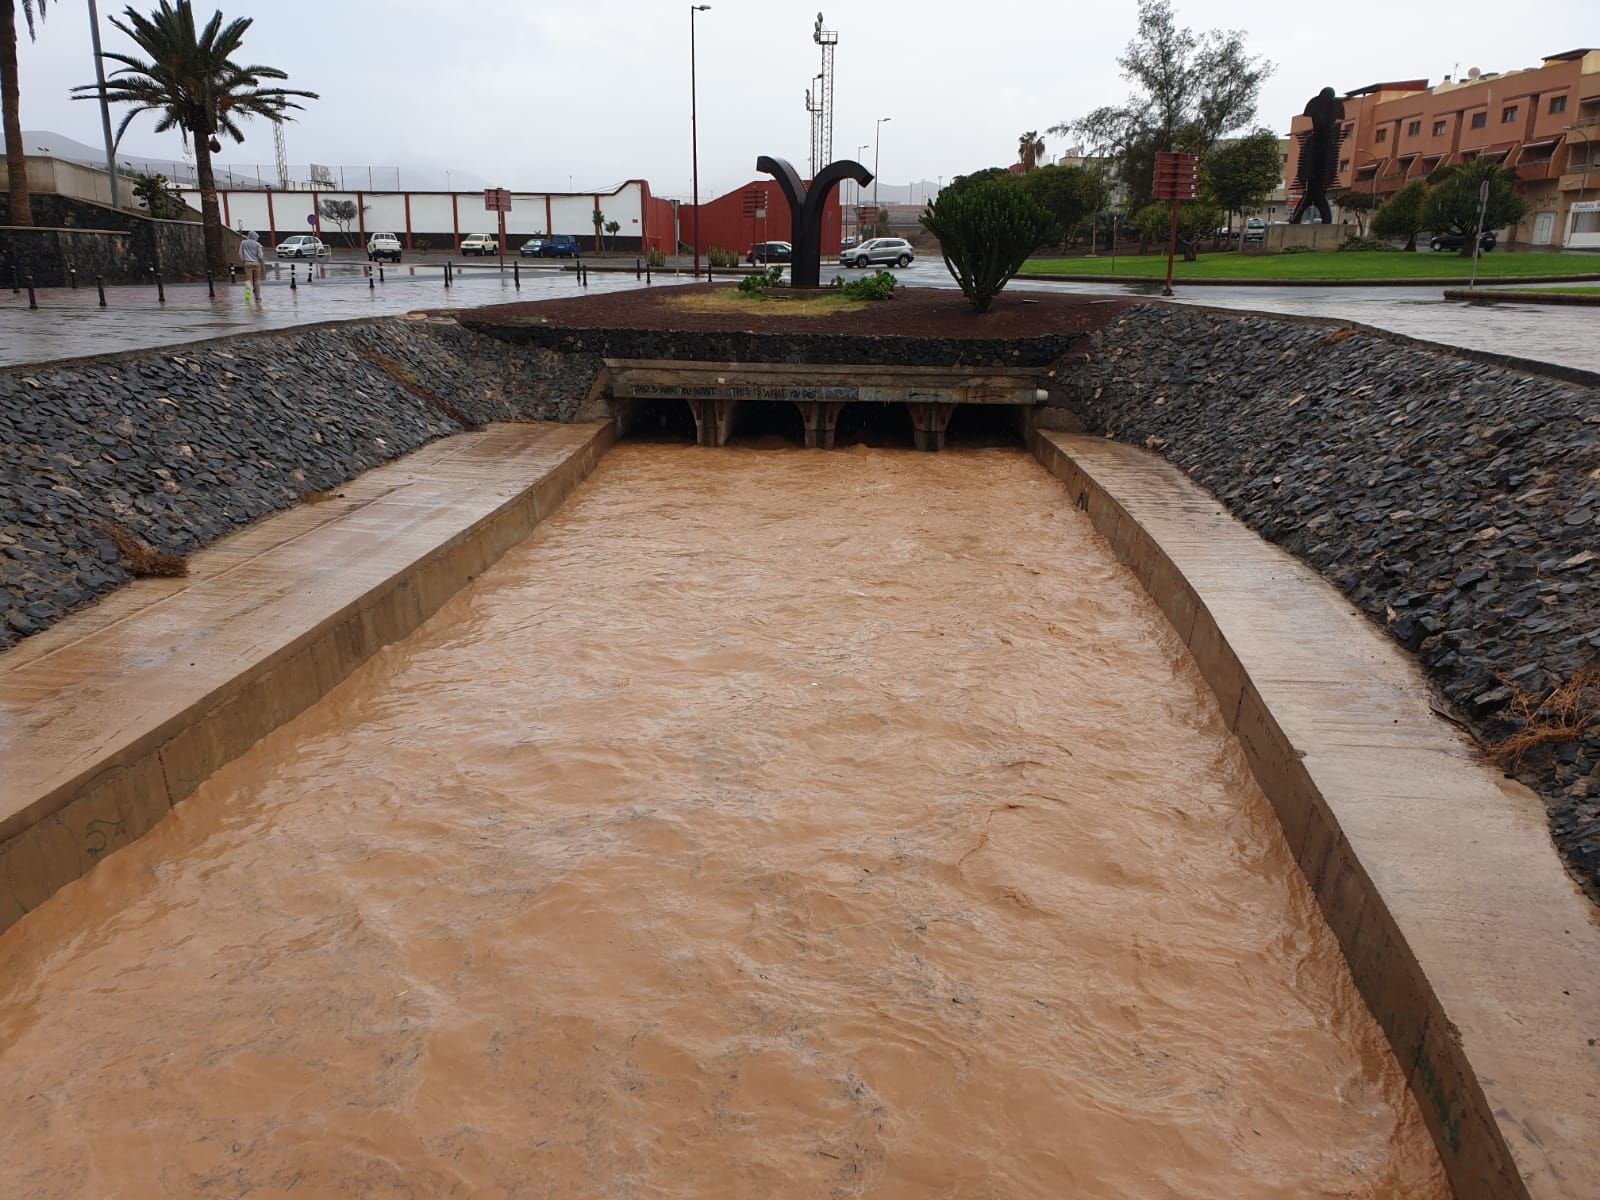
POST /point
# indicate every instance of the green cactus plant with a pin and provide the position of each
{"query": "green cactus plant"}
(985, 234)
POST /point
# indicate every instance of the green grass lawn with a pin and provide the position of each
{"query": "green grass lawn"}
(1321, 264)
(1545, 291)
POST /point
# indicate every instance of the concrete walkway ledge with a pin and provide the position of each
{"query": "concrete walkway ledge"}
(119, 712)
(1474, 950)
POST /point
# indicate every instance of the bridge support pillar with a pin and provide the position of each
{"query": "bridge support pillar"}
(821, 419)
(928, 422)
(713, 420)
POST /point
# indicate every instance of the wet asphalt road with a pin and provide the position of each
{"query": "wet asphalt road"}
(70, 324)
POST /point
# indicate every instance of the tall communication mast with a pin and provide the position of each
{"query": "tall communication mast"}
(822, 138)
(282, 153)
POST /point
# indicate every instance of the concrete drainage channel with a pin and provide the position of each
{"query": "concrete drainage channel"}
(1478, 959)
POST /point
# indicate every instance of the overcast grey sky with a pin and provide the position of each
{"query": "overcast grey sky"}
(525, 93)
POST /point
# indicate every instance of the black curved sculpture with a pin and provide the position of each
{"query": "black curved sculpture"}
(1319, 155)
(805, 211)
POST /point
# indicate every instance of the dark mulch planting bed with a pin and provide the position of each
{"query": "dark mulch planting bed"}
(920, 327)
(914, 312)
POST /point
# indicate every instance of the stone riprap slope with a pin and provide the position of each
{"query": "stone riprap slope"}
(180, 446)
(1457, 503)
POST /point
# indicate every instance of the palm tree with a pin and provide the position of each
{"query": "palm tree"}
(16, 152)
(192, 81)
(1030, 149)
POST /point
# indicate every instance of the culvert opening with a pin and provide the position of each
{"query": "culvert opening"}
(867, 424)
(663, 421)
(770, 425)
(984, 425)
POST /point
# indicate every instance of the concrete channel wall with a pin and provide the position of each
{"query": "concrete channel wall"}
(1454, 501)
(180, 446)
(1476, 955)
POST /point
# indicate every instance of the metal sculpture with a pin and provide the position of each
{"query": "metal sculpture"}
(1319, 155)
(806, 206)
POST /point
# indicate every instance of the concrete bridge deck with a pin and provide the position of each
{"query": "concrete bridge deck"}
(715, 391)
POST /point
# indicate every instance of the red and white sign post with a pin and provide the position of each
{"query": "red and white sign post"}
(1176, 171)
(498, 200)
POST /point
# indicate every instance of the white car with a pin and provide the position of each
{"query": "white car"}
(302, 245)
(481, 244)
(383, 245)
(894, 252)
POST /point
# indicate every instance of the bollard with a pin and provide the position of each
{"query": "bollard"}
(637, 274)
(447, 273)
(16, 285)
(100, 285)
(577, 273)
(72, 278)
(380, 272)
(293, 285)
(232, 275)
(516, 274)
(161, 291)
(211, 285)
(372, 283)
(647, 272)
(33, 301)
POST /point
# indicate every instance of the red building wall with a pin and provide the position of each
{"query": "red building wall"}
(730, 222)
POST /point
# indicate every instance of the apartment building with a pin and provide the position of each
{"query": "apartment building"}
(1541, 122)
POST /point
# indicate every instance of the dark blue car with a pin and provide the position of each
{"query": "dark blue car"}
(551, 245)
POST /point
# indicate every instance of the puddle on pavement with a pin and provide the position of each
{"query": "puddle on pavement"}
(770, 823)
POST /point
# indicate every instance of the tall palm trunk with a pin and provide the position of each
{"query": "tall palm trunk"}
(210, 212)
(16, 152)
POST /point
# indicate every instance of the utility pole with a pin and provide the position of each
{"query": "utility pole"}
(877, 142)
(694, 133)
(827, 39)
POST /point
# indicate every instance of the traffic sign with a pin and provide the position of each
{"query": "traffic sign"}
(496, 200)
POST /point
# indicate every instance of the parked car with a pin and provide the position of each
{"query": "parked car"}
(383, 245)
(895, 252)
(1454, 241)
(302, 245)
(849, 243)
(765, 252)
(1255, 230)
(550, 245)
(482, 244)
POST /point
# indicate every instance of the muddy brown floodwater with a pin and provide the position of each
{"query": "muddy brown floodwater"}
(769, 824)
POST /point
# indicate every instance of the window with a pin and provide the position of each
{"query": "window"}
(1558, 104)
(1479, 120)
(1413, 129)
(1381, 136)
(1439, 127)
(1344, 165)
(1509, 114)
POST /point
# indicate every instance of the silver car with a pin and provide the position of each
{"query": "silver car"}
(892, 252)
(302, 245)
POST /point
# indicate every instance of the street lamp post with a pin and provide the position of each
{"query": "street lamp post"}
(105, 109)
(877, 139)
(694, 133)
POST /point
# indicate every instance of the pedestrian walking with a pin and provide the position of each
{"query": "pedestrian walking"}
(254, 262)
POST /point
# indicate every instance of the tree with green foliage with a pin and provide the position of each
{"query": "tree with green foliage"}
(1400, 216)
(11, 103)
(1190, 90)
(1197, 220)
(1360, 203)
(986, 233)
(1030, 149)
(191, 80)
(1069, 194)
(1241, 173)
(599, 219)
(613, 228)
(962, 183)
(1452, 202)
(160, 198)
